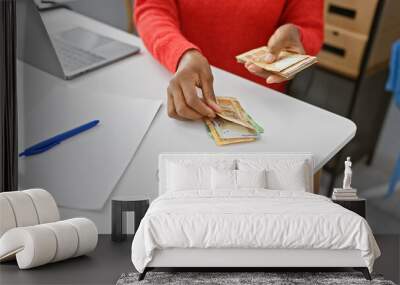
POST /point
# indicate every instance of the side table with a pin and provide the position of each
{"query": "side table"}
(119, 207)
(357, 206)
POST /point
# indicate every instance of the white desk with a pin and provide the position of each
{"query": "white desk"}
(290, 125)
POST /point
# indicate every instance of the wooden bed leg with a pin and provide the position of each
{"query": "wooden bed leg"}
(317, 177)
(366, 274)
(143, 274)
(364, 271)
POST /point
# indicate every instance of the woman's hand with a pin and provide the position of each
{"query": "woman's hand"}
(286, 37)
(183, 102)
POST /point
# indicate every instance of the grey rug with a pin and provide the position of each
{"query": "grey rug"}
(268, 278)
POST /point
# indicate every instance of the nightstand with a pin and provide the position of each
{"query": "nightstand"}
(357, 206)
(119, 207)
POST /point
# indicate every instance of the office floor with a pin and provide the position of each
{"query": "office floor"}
(109, 260)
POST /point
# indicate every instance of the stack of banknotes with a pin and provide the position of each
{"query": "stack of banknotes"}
(233, 124)
(287, 64)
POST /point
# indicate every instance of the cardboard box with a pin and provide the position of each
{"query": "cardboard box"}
(352, 15)
(342, 51)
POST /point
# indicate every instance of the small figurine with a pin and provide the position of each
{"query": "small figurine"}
(347, 174)
(346, 192)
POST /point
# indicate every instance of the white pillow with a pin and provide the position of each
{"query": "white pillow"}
(223, 179)
(251, 178)
(237, 179)
(185, 174)
(282, 174)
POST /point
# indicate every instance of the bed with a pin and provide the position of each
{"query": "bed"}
(247, 210)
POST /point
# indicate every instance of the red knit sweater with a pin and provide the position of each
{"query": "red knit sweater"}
(223, 29)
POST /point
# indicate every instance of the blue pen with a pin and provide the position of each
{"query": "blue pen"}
(51, 142)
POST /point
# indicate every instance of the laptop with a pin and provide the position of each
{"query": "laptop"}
(66, 54)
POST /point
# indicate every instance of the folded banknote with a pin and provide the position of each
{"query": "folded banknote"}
(233, 124)
(287, 65)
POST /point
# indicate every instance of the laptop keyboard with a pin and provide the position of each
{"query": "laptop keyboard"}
(73, 58)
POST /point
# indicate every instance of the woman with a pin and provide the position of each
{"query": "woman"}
(187, 35)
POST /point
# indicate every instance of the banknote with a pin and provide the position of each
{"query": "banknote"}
(230, 112)
(291, 71)
(233, 124)
(256, 126)
(219, 141)
(229, 130)
(287, 64)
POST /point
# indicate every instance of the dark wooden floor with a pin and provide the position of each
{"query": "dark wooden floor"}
(103, 266)
(110, 260)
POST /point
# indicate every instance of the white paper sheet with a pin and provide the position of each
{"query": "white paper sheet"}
(82, 171)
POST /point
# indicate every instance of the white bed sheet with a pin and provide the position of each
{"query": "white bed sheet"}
(250, 218)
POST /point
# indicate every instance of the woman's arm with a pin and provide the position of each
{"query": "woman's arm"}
(157, 22)
(300, 30)
(308, 16)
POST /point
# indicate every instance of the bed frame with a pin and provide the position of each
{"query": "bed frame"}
(240, 259)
